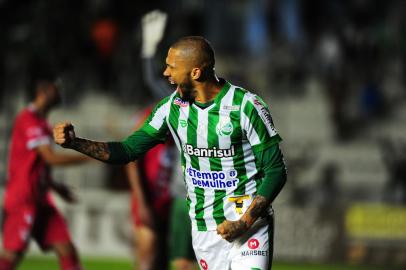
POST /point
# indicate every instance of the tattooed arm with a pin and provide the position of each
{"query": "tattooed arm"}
(230, 230)
(271, 163)
(64, 135)
(111, 152)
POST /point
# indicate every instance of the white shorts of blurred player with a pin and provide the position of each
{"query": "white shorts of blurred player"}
(252, 251)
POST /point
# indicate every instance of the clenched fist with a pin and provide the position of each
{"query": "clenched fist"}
(64, 134)
(230, 230)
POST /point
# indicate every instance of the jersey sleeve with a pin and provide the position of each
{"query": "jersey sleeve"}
(258, 124)
(35, 134)
(156, 125)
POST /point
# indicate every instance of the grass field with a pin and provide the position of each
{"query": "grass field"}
(45, 263)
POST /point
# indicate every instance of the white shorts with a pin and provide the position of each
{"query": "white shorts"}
(252, 251)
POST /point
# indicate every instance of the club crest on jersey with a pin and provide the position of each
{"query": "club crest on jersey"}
(224, 128)
(178, 101)
(183, 123)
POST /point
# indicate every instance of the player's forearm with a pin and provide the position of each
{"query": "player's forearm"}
(230, 230)
(61, 160)
(258, 208)
(273, 167)
(96, 150)
(133, 177)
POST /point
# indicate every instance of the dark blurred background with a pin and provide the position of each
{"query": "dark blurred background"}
(332, 71)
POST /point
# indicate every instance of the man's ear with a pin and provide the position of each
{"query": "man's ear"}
(196, 73)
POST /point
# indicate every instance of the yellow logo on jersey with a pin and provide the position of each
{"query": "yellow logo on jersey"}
(239, 202)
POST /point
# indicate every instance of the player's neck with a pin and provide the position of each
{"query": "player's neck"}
(208, 91)
(40, 108)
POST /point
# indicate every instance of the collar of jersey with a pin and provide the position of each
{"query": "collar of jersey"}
(218, 98)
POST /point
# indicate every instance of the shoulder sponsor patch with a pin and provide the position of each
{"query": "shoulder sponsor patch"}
(231, 107)
(265, 115)
(178, 101)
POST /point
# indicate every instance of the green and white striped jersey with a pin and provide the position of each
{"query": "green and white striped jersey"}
(216, 144)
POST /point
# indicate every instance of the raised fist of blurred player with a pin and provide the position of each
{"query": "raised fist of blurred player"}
(153, 26)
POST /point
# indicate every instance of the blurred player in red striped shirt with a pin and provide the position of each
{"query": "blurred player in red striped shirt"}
(28, 209)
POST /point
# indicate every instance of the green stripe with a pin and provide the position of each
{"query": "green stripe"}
(174, 114)
(256, 122)
(218, 206)
(238, 159)
(222, 93)
(215, 163)
(199, 192)
(199, 210)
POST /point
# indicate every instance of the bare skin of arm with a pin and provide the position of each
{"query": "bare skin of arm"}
(64, 135)
(57, 159)
(230, 230)
(134, 178)
(137, 191)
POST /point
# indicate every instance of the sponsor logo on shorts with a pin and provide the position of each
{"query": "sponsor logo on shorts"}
(208, 152)
(212, 179)
(178, 101)
(253, 243)
(204, 264)
(245, 253)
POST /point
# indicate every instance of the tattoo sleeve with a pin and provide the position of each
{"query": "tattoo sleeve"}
(97, 150)
(257, 209)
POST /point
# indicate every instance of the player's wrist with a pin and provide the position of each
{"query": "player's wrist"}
(72, 143)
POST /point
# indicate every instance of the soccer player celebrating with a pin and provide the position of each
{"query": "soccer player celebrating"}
(230, 157)
(29, 211)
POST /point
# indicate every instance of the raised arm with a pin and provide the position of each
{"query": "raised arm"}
(64, 135)
(153, 27)
(110, 152)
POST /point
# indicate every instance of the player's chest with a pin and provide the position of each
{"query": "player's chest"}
(214, 127)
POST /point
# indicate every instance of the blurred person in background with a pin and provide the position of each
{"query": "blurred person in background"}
(230, 155)
(29, 210)
(180, 239)
(150, 178)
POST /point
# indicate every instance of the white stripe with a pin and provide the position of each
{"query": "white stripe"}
(160, 115)
(33, 143)
(173, 132)
(252, 135)
(182, 134)
(250, 168)
(204, 165)
(227, 163)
